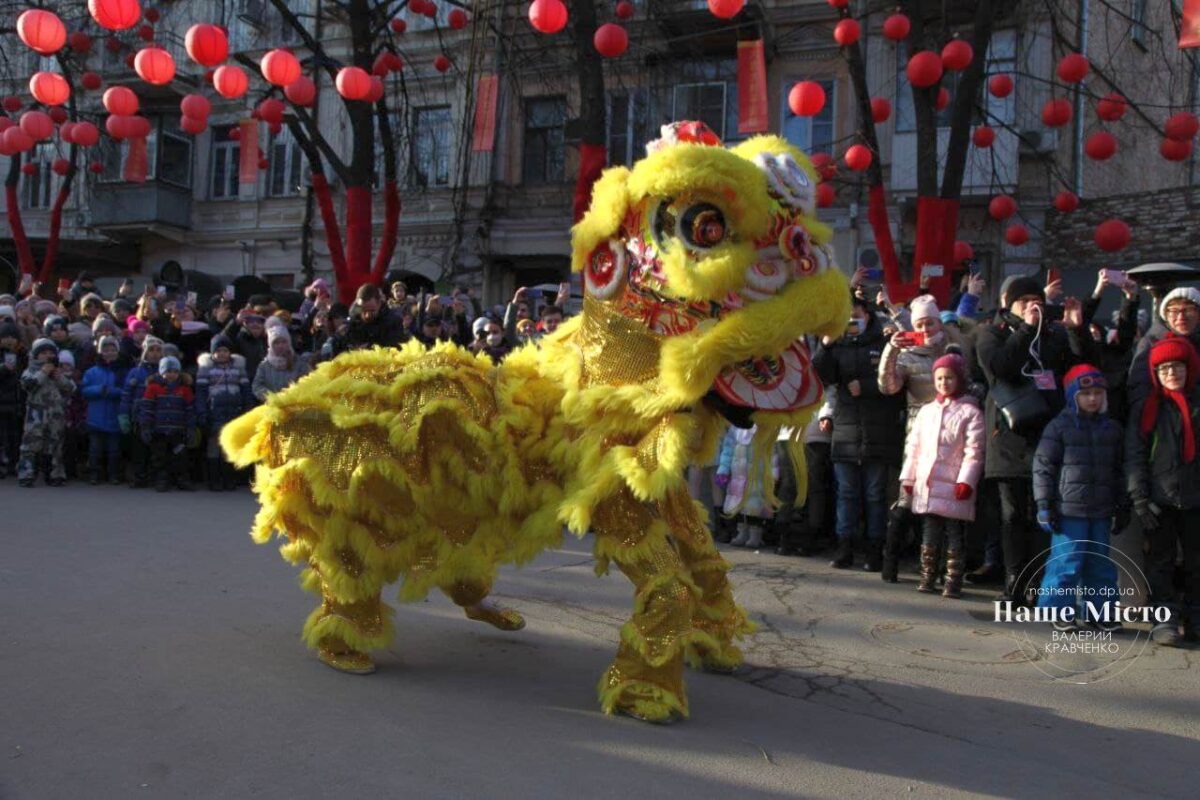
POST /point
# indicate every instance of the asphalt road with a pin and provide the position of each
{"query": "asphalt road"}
(149, 649)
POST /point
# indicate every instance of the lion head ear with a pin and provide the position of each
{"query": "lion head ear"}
(610, 201)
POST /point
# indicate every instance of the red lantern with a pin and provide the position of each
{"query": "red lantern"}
(155, 65)
(139, 127)
(115, 15)
(1056, 113)
(113, 45)
(152, 15)
(85, 134)
(896, 27)
(548, 16)
(376, 92)
(1112, 235)
(146, 33)
(353, 83)
(120, 100)
(207, 45)
(6, 123)
(847, 32)
(12, 103)
(118, 126)
(196, 105)
(399, 26)
(58, 114)
(1182, 126)
(16, 140)
(48, 88)
(280, 67)
(230, 81)
(42, 31)
(382, 65)
(263, 163)
(924, 69)
(726, 9)
(1002, 207)
(881, 109)
(610, 40)
(983, 136)
(1100, 146)
(37, 124)
(275, 128)
(1016, 234)
(301, 91)
(943, 98)
(80, 42)
(1175, 149)
(441, 64)
(957, 55)
(429, 9)
(963, 251)
(66, 132)
(625, 10)
(838, 3)
(1111, 107)
(129, 60)
(394, 63)
(824, 164)
(28, 169)
(825, 195)
(271, 110)
(1000, 85)
(1073, 68)
(192, 125)
(806, 99)
(1066, 202)
(457, 19)
(858, 157)
(60, 166)
(96, 167)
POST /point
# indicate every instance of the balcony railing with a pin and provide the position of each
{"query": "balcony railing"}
(138, 206)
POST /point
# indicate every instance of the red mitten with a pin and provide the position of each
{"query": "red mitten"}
(908, 488)
(963, 491)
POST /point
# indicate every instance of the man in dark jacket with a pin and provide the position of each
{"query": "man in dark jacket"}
(1020, 350)
(868, 432)
(372, 323)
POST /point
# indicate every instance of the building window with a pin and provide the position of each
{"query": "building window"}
(626, 127)
(429, 164)
(811, 134)
(175, 157)
(1137, 22)
(35, 188)
(226, 153)
(708, 92)
(542, 155)
(701, 101)
(114, 156)
(284, 173)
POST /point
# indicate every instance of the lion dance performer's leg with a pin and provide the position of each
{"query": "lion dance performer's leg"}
(718, 620)
(646, 678)
(472, 597)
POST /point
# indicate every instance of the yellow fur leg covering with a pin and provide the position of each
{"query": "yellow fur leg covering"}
(363, 626)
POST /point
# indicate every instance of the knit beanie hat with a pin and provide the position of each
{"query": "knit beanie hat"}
(40, 346)
(923, 307)
(121, 304)
(45, 307)
(168, 364)
(105, 341)
(133, 325)
(151, 341)
(278, 332)
(1187, 293)
(1172, 348)
(219, 341)
(955, 362)
(948, 318)
(8, 329)
(1084, 376)
(91, 297)
(53, 321)
(104, 323)
(66, 357)
(171, 350)
(1021, 287)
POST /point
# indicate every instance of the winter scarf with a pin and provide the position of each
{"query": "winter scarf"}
(1172, 348)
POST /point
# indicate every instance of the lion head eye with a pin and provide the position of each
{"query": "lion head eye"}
(702, 226)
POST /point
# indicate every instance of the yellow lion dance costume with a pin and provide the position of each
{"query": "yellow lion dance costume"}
(703, 268)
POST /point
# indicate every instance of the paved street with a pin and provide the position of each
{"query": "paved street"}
(150, 649)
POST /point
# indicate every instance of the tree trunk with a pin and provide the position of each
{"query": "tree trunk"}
(15, 224)
(593, 154)
(51, 255)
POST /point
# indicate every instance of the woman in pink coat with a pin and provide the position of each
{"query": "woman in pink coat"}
(943, 462)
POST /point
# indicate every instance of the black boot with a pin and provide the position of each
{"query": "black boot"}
(845, 554)
(212, 468)
(230, 476)
(890, 567)
(1010, 588)
(874, 558)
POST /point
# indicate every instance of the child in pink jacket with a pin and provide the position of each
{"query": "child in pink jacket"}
(943, 462)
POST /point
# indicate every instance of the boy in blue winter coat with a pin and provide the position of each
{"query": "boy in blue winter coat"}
(1078, 485)
(103, 386)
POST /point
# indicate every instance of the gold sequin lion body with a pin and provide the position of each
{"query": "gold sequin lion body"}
(703, 267)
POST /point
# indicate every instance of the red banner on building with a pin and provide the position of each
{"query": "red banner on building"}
(137, 162)
(752, 87)
(483, 138)
(248, 143)
(1189, 26)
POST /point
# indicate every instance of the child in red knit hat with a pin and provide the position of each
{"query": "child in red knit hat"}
(1163, 476)
(1079, 489)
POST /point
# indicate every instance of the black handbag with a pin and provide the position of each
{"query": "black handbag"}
(1022, 406)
